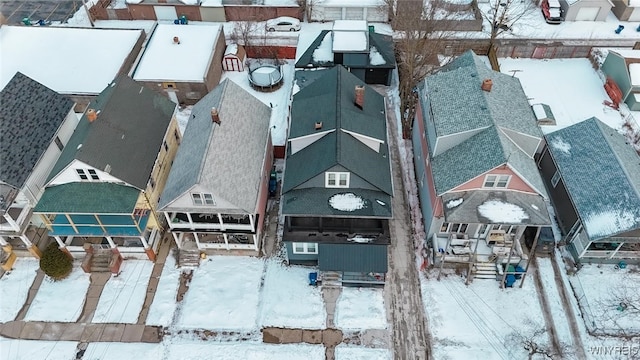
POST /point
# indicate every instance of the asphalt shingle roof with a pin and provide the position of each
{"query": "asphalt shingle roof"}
(332, 96)
(459, 105)
(86, 197)
(601, 173)
(226, 159)
(127, 136)
(30, 116)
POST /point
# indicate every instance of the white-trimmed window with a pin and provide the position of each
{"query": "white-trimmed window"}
(93, 174)
(82, 174)
(453, 228)
(555, 179)
(509, 229)
(496, 181)
(336, 179)
(202, 199)
(305, 248)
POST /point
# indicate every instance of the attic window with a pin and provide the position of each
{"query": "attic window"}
(93, 174)
(82, 174)
(496, 181)
(202, 199)
(337, 179)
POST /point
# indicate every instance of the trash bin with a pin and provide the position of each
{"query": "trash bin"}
(372, 29)
(313, 278)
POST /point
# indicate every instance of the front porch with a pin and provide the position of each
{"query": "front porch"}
(130, 247)
(207, 241)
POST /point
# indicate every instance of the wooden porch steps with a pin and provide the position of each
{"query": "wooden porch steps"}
(484, 270)
(101, 260)
(188, 258)
(331, 279)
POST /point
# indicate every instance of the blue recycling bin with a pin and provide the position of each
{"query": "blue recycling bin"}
(313, 278)
(509, 281)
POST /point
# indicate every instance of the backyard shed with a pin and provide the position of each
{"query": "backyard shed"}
(234, 56)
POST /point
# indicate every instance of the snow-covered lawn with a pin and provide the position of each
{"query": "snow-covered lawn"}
(60, 300)
(123, 296)
(345, 352)
(478, 321)
(600, 290)
(571, 87)
(164, 302)
(360, 309)
(288, 300)
(14, 287)
(224, 294)
(121, 351)
(11, 349)
(243, 350)
(279, 100)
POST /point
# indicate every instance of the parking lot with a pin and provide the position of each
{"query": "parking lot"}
(14, 11)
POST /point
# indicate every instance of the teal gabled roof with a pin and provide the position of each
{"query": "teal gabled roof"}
(330, 100)
(88, 198)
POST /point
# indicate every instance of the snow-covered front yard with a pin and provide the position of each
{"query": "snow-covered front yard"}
(360, 309)
(14, 287)
(11, 349)
(288, 300)
(164, 302)
(224, 294)
(123, 296)
(60, 300)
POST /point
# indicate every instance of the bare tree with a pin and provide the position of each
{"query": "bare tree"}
(243, 31)
(534, 339)
(502, 15)
(307, 6)
(420, 33)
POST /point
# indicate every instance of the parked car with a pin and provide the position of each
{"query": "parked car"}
(283, 23)
(552, 11)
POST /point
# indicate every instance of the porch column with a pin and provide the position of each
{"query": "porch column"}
(226, 240)
(197, 239)
(111, 243)
(13, 223)
(32, 249)
(252, 222)
(168, 218)
(147, 249)
(222, 227)
(190, 219)
(61, 245)
(178, 239)
(255, 242)
(616, 251)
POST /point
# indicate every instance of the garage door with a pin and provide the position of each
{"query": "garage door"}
(165, 12)
(331, 13)
(375, 14)
(354, 13)
(587, 13)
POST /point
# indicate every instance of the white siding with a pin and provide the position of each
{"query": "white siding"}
(69, 174)
(446, 142)
(300, 143)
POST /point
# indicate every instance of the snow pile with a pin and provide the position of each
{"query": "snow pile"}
(183, 115)
(14, 287)
(224, 294)
(375, 58)
(346, 202)
(120, 351)
(499, 212)
(164, 302)
(559, 144)
(60, 300)
(634, 73)
(123, 296)
(349, 41)
(134, 1)
(453, 203)
(32, 349)
(344, 352)
(289, 301)
(323, 52)
(360, 239)
(611, 222)
(360, 309)
(231, 49)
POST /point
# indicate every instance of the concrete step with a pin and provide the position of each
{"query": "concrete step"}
(485, 276)
(188, 257)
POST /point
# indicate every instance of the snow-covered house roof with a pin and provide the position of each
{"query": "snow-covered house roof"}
(601, 173)
(178, 53)
(35, 51)
(227, 159)
(495, 127)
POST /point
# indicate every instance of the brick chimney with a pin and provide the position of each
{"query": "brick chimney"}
(486, 85)
(92, 115)
(318, 125)
(214, 116)
(359, 101)
(176, 40)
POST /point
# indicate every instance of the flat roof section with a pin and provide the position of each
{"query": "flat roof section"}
(186, 60)
(66, 60)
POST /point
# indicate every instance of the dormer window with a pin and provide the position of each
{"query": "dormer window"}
(496, 181)
(202, 199)
(337, 179)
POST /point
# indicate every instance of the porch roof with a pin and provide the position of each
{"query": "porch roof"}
(316, 202)
(509, 207)
(88, 198)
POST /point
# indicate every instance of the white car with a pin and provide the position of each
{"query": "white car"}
(283, 23)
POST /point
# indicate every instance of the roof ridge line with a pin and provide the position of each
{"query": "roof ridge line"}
(338, 114)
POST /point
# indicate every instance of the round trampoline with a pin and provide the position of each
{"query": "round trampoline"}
(266, 78)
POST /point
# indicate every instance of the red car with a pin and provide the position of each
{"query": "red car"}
(552, 11)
